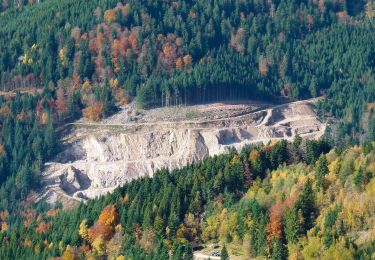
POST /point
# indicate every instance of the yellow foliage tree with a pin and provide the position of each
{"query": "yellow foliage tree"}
(313, 250)
(83, 230)
(99, 245)
(4, 227)
(254, 154)
(110, 15)
(180, 234)
(370, 189)
(228, 226)
(86, 85)
(37, 249)
(188, 231)
(126, 198)
(44, 118)
(113, 83)
(62, 57)
(69, 254)
(236, 159)
(94, 112)
(339, 251)
(109, 215)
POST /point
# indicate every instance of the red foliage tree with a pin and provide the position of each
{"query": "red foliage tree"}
(105, 226)
(61, 103)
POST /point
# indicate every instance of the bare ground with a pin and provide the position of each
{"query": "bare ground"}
(98, 157)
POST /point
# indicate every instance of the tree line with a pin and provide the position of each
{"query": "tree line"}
(181, 52)
(267, 200)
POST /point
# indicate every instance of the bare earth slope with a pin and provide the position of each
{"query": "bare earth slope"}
(99, 157)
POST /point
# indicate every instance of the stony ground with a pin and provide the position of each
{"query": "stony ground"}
(133, 114)
(98, 157)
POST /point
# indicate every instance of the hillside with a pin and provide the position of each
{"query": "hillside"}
(173, 52)
(162, 104)
(93, 56)
(264, 201)
(98, 157)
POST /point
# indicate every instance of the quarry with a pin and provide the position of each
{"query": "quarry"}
(95, 158)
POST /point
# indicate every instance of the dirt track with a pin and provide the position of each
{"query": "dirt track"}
(97, 157)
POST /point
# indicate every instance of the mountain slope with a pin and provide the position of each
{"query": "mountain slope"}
(323, 209)
(99, 157)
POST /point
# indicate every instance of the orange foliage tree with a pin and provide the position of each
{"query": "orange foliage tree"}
(2, 150)
(263, 66)
(42, 227)
(179, 64)
(110, 15)
(94, 112)
(187, 60)
(105, 226)
(274, 228)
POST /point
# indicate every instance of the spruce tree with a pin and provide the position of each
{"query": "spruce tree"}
(292, 225)
(321, 171)
(188, 253)
(224, 253)
(306, 204)
(279, 251)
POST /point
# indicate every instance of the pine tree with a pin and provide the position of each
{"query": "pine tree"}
(258, 231)
(306, 204)
(178, 253)
(224, 253)
(291, 222)
(321, 171)
(188, 253)
(162, 251)
(49, 139)
(358, 178)
(279, 251)
(86, 65)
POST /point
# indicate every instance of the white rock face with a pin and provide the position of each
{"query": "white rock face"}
(98, 158)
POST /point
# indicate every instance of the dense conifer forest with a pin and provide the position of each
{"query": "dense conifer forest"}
(280, 200)
(60, 60)
(177, 52)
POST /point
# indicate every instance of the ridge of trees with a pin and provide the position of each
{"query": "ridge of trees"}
(170, 53)
(264, 201)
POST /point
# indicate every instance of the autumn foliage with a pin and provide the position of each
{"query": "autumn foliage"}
(61, 102)
(102, 231)
(42, 227)
(110, 15)
(2, 150)
(94, 112)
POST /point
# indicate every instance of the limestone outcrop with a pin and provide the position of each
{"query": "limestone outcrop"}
(97, 158)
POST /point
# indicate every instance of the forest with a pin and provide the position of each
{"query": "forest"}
(179, 52)
(299, 200)
(61, 60)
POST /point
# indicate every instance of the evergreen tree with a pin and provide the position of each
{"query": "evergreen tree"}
(178, 253)
(306, 204)
(279, 251)
(224, 253)
(321, 171)
(292, 225)
(86, 65)
(188, 253)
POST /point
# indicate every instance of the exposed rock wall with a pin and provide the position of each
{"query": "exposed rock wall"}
(98, 158)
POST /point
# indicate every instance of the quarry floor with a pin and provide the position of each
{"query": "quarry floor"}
(96, 158)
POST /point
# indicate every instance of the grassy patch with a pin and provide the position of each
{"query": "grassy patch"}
(191, 114)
